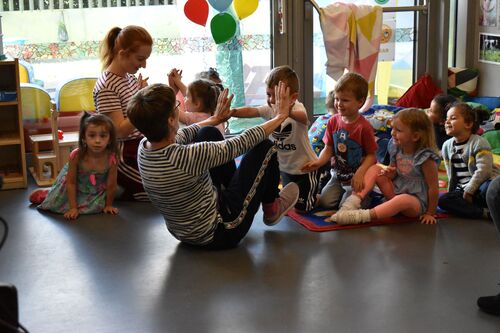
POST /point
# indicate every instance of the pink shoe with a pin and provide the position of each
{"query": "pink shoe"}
(37, 196)
(288, 198)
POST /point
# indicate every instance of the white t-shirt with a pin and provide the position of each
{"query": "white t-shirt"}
(294, 148)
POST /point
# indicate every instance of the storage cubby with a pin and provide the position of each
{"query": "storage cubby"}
(12, 156)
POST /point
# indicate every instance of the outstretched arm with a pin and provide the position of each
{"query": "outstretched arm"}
(430, 171)
(111, 185)
(72, 213)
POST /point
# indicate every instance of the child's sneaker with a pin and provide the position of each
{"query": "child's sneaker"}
(352, 216)
(37, 196)
(288, 198)
(352, 202)
(490, 304)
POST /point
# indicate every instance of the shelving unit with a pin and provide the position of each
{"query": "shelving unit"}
(12, 156)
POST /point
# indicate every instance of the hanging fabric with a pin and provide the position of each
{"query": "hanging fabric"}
(352, 36)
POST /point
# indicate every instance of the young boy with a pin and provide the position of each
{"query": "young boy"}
(291, 138)
(349, 139)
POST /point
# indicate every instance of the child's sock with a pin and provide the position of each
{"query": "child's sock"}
(486, 214)
(352, 216)
(351, 203)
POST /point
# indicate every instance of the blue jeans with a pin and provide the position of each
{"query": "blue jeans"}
(493, 201)
(454, 202)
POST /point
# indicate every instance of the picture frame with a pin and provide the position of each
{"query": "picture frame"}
(489, 48)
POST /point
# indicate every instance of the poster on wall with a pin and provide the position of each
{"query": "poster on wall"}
(488, 13)
(489, 48)
(387, 46)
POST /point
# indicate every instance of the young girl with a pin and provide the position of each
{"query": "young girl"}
(200, 99)
(87, 183)
(440, 105)
(123, 53)
(468, 161)
(409, 183)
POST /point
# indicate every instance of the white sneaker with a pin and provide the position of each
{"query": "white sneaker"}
(288, 198)
(352, 202)
(352, 216)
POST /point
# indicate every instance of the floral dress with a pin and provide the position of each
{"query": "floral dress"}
(410, 178)
(90, 189)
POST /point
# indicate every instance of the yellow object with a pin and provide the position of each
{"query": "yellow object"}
(76, 95)
(245, 8)
(35, 102)
(384, 72)
(24, 76)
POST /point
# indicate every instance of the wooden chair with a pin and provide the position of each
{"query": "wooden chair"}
(35, 104)
(54, 159)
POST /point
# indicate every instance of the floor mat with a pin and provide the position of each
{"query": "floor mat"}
(315, 220)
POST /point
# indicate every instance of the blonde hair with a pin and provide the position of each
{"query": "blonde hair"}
(418, 122)
(128, 39)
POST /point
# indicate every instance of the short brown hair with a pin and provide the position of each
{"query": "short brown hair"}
(354, 83)
(285, 74)
(149, 110)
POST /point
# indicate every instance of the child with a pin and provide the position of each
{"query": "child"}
(409, 184)
(349, 139)
(468, 161)
(175, 170)
(200, 99)
(290, 138)
(440, 105)
(318, 128)
(123, 53)
(87, 183)
(212, 75)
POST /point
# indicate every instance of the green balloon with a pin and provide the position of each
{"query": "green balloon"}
(223, 27)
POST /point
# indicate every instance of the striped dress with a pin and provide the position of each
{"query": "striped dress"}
(112, 94)
(178, 183)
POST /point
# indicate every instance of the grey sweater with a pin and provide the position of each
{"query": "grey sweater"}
(479, 159)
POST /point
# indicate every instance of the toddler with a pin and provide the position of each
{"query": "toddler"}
(410, 182)
(440, 105)
(87, 183)
(468, 161)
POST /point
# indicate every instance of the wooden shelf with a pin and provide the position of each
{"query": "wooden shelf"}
(13, 161)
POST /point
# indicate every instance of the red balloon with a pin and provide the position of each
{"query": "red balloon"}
(197, 11)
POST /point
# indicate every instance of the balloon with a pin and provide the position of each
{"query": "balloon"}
(223, 27)
(220, 5)
(197, 11)
(244, 8)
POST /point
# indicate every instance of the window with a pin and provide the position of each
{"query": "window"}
(60, 39)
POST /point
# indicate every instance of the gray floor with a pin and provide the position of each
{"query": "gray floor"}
(126, 273)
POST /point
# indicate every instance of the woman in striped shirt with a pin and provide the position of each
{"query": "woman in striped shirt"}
(175, 167)
(123, 53)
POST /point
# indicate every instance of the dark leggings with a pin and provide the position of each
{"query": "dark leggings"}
(454, 202)
(237, 183)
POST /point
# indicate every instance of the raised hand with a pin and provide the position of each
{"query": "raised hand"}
(142, 82)
(223, 110)
(283, 100)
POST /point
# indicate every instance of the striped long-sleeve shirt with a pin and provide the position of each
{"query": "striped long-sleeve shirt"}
(178, 182)
(113, 92)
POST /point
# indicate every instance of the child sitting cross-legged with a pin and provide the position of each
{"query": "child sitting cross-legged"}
(175, 166)
(468, 161)
(409, 184)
